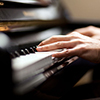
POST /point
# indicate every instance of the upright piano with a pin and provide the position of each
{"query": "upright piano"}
(23, 25)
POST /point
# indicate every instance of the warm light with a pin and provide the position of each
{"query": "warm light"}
(1, 3)
(4, 28)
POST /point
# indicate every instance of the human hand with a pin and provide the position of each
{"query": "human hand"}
(75, 43)
(91, 31)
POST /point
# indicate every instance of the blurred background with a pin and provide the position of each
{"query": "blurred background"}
(83, 9)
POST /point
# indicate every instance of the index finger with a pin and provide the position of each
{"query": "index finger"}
(56, 38)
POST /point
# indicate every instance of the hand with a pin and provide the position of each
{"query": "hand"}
(90, 31)
(76, 44)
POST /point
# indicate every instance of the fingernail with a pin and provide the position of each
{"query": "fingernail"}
(39, 48)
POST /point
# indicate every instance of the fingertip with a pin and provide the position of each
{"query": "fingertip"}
(75, 32)
(39, 48)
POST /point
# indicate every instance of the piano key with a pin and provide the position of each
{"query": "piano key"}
(32, 50)
(17, 54)
(34, 47)
(27, 51)
(12, 55)
(23, 52)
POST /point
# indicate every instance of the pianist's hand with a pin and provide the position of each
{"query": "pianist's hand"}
(75, 43)
(91, 31)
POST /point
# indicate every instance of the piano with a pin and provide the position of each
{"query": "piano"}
(23, 25)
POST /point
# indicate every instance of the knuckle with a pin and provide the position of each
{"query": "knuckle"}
(76, 34)
(53, 37)
(80, 41)
(66, 52)
(59, 44)
(83, 48)
(46, 47)
(90, 28)
(76, 30)
(42, 43)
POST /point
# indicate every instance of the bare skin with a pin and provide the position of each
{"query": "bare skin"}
(83, 42)
(91, 31)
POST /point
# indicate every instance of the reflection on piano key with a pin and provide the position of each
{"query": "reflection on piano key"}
(27, 51)
(17, 53)
(23, 52)
(34, 47)
(32, 50)
(12, 55)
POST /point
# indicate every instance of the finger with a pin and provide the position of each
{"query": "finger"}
(73, 35)
(52, 46)
(55, 39)
(59, 45)
(60, 54)
(66, 53)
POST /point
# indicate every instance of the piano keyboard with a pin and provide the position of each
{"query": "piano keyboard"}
(30, 80)
(26, 66)
(21, 51)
